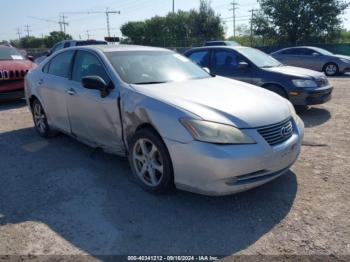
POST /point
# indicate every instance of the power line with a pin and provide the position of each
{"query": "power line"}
(233, 9)
(27, 29)
(251, 26)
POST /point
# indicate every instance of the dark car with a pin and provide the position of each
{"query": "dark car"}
(314, 58)
(13, 67)
(69, 43)
(301, 86)
(221, 43)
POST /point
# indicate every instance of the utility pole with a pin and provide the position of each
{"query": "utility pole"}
(27, 29)
(88, 34)
(19, 33)
(173, 6)
(107, 17)
(63, 23)
(251, 26)
(233, 9)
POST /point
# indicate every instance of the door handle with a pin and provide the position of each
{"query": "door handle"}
(71, 92)
(41, 81)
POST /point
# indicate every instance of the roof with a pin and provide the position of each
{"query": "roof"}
(237, 48)
(116, 48)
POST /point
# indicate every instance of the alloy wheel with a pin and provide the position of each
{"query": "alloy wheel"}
(148, 162)
(331, 69)
(39, 118)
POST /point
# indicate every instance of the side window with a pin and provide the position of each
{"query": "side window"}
(66, 45)
(46, 68)
(308, 52)
(57, 48)
(60, 64)
(87, 64)
(224, 62)
(201, 58)
(294, 51)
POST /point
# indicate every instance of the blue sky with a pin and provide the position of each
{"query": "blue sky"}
(16, 14)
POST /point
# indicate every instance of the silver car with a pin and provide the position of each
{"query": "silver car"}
(178, 125)
(314, 58)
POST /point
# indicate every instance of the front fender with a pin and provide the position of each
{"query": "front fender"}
(138, 109)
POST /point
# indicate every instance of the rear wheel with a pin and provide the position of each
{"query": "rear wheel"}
(40, 119)
(331, 69)
(150, 161)
(277, 89)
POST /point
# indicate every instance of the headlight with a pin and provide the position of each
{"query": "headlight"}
(211, 132)
(304, 83)
(344, 60)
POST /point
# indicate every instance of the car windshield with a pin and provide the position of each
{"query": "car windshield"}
(154, 67)
(259, 58)
(9, 53)
(322, 51)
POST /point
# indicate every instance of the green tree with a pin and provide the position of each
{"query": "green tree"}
(300, 21)
(55, 37)
(177, 29)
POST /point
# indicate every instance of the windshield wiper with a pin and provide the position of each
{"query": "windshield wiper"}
(150, 83)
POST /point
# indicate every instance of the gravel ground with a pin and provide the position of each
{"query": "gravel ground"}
(59, 197)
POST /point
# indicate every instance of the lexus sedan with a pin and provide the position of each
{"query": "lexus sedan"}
(301, 86)
(314, 58)
(178, 125)
(13, 67)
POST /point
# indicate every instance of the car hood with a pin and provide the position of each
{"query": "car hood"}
(222, 100)
(16, 65)
(295, 71)
(343, 56)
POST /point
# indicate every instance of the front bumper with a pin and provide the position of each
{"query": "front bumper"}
(216, 170)
(316, 96)
(11, 95)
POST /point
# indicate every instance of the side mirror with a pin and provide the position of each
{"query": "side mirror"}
(30, 57)
(47, 53)
(97, 83)
(243, 65)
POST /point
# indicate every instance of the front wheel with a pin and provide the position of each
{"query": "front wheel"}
(150, 162)
(331, 69)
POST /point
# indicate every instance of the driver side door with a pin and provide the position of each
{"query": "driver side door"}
(94, 120)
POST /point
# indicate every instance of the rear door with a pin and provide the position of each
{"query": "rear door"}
(53, 86)
(93, 118)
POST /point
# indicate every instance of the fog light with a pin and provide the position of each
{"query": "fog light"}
(293, 93)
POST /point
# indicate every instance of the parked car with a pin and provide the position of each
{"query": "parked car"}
(69, 43)
(177, 124)
(301, 86)
(221, 43)
(13, 67)
(314, 58)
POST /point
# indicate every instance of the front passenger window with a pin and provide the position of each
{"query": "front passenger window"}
(87, 64)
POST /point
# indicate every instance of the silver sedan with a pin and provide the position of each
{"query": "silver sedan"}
(179, 126)
(314, 58)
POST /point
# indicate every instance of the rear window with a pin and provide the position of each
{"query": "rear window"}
(83, 43)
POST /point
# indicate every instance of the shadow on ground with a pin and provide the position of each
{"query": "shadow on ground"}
(92, 201)
(12, 104)
(314, 116)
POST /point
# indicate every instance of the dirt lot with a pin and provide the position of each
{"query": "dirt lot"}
(58, 196)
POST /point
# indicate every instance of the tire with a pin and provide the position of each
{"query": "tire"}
(331, 69)
(150, 161)
(277, 89)
(40, 120)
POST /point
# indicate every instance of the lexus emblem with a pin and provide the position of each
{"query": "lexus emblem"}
(286, 131)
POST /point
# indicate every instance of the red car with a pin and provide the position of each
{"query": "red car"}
(13, 68)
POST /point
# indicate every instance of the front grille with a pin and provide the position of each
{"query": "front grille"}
(12, 74)
(277, 133)
(322, 81)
